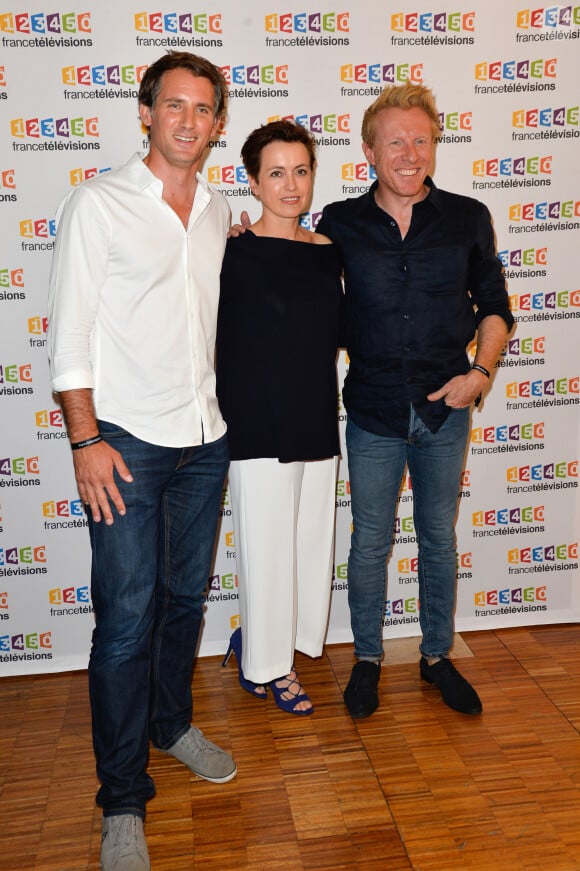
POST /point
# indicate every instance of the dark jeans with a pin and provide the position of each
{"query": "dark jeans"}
(376, 465)
(150, 570)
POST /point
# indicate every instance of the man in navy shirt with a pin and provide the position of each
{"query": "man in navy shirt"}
(421, 280)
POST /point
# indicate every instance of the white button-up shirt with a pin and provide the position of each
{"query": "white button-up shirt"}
(133, 305)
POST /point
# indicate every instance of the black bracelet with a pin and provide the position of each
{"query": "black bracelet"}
(76, 446)
(481, 369)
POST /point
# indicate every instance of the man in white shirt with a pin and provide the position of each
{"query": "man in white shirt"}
(132, 316)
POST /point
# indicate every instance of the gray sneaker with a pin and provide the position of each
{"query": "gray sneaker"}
(204, 758)
(123, 847)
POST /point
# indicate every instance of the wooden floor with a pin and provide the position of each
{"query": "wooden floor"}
(416, 786)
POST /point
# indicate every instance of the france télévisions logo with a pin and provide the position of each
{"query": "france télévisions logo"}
(507, 438)
(543, 216)
(510, 600)
(50, 424)
(432, 22)
(78, 175)
(343, 493)
(543, 558)
(37, 327)
(547, 24)
(404, 530)
(546, 306)
(256, 80)
(464, 564)
(222, 588)
(15, 378)
(543, 393)
(101, 81)
(516, 76)
(309, 220)
(53, 128)
(552, 16)
(312, 22)
(35, 230)
(340, 577)
(101, 75)
(45, 22)
(227, 174)
(455, 127)
(324, 128)
(55, 134)
(19, 472)
(307, 29)
(11, 284)
(508, 521)
(28, 560)
(510, 172)
(3, 93)
(356, 177)
(408, 567)
(179, 30)
(538, 477)
(377, 75)
(523, 351)
(432, 28)
(7, 186)
(45, 29)
(174, 22)
(63, 514)
(403, 610)
(68, 601)
(524, 262)
(25, 646)
(547, 123)
(232, 180)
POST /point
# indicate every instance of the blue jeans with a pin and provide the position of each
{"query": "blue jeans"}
(376, 466)
(149, 573)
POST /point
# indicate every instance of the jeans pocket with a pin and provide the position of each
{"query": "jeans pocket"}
(112, 431)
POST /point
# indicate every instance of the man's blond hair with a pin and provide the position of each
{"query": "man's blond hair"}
(405, 96)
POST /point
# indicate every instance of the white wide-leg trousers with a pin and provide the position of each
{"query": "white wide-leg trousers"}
(283, 517)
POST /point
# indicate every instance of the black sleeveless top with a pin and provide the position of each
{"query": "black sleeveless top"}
(276, 348)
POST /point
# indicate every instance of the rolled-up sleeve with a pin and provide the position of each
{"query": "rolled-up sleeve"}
(486, 280)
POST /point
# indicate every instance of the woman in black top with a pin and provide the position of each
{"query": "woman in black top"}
(276, 383)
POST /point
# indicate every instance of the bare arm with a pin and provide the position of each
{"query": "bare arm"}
(462, 390)
(95, 464)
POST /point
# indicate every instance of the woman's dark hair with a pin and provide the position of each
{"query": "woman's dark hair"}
(275, 131)
(197, 66)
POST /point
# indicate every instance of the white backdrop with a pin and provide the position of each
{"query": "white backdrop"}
(506, 81)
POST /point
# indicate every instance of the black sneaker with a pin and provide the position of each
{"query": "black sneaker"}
(361, 695)
(456, 692)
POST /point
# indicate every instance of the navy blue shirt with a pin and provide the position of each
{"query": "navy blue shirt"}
(412, 305)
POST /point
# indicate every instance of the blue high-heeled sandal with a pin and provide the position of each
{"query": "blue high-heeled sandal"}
(235, 646)
(289, 705)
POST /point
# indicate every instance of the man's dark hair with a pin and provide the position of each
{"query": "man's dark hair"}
(197, 66)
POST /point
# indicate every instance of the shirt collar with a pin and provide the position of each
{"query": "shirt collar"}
(433, 198)
(142, 175)
(144, 178)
